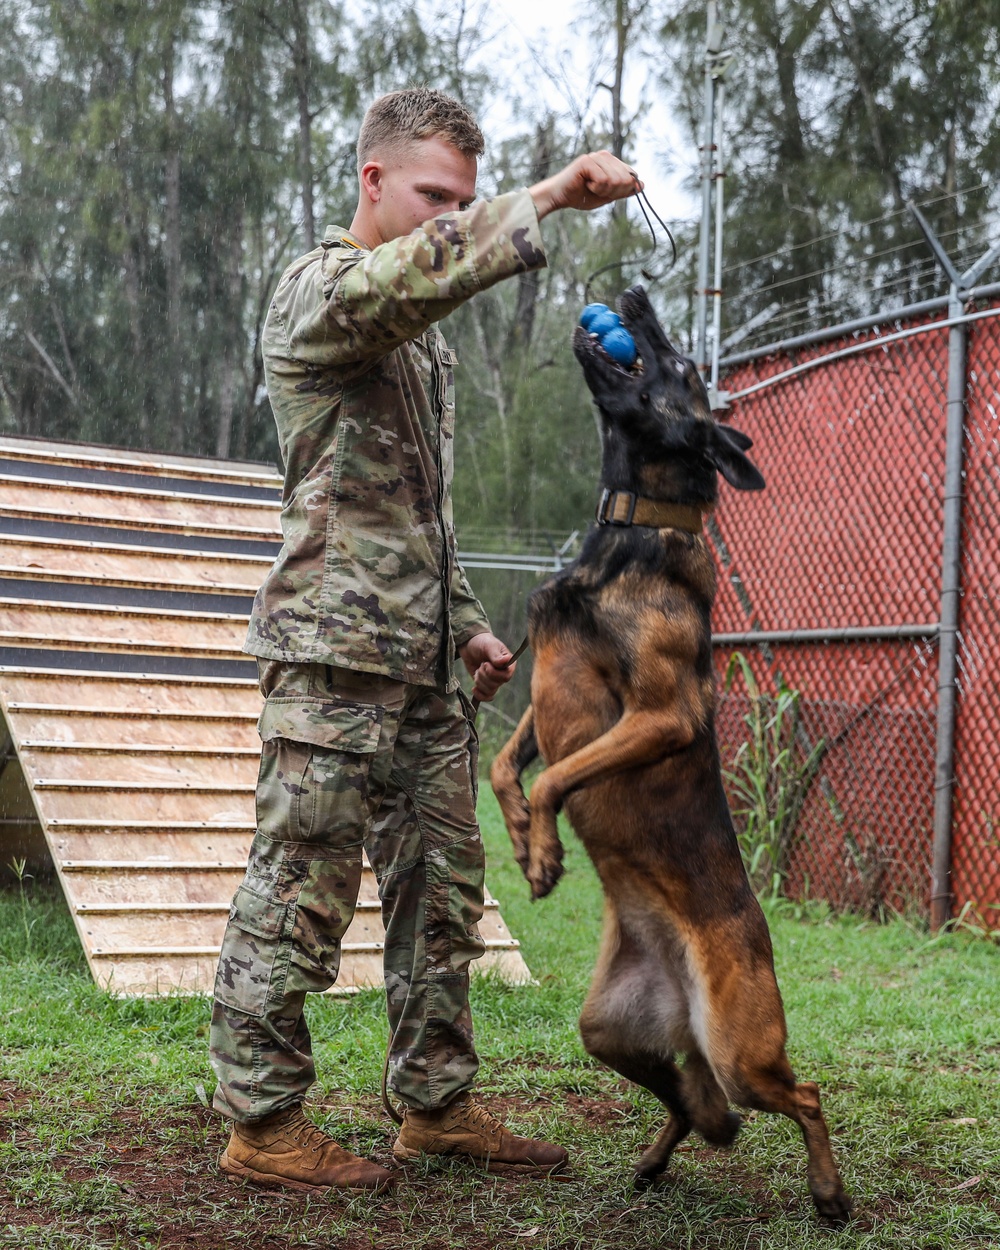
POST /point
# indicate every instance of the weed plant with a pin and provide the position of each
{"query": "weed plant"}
(769, 778)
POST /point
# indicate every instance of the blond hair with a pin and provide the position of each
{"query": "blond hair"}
(414, 113)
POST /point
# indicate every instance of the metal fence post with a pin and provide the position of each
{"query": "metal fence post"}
(951, 575)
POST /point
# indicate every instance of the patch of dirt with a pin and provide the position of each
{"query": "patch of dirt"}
(151, 1180)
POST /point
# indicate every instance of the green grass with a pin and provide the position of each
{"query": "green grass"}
(104, 1141)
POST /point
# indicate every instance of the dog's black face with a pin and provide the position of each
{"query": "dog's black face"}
(658, 411)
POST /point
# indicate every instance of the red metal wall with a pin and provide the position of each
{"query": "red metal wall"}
(848, 534)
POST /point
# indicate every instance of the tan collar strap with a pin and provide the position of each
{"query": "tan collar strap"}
(622, 507)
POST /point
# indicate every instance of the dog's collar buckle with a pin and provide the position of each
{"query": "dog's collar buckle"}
(624, 508)
(617, 507)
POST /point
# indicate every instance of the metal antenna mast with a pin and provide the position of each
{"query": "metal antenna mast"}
(717, 63)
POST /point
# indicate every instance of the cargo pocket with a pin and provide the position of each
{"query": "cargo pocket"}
(454, 905)
(315, 761)
(253, 963)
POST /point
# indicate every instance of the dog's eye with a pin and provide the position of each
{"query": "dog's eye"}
(644, 397)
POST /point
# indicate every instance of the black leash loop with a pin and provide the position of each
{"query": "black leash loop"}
(642, 199)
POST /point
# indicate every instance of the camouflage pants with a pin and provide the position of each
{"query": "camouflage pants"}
(352, 761)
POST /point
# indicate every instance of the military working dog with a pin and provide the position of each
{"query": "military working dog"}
(622, 713)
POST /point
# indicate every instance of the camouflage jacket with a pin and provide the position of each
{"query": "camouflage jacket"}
(361, 385)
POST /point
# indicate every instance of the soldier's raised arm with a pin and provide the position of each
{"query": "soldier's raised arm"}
(368, 302)
(347, 305)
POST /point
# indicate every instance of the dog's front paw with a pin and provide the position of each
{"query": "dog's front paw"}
(544, 871)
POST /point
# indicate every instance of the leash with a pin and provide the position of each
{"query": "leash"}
(642, 199)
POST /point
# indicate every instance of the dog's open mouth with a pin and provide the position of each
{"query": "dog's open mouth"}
(590, 344)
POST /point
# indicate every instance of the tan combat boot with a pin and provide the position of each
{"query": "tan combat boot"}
(288, 1151)
(467, 1129)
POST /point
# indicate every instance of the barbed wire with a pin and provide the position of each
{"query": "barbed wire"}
(850, 284)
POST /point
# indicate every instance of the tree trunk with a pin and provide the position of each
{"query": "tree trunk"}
(623, 23)
(852, 43)
(231, 353)
(302, 74)
(172, 232)
(523, 325)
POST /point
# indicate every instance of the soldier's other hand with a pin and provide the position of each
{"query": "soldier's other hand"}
(490, 662)
(589, 182)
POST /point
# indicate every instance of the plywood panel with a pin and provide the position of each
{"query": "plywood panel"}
(142, 783)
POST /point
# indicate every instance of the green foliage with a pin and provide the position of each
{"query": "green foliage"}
(770, 776)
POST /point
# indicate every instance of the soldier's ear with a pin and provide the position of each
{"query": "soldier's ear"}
(370, 178)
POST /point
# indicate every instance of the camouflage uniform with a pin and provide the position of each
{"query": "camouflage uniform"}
(367, 738)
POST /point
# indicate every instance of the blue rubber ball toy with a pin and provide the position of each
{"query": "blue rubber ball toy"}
(620, 346)
(604, 323)
(590, 312)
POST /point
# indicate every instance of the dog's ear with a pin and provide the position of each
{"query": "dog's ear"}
(725, 450)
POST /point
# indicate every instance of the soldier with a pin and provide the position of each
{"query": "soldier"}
(368, 741)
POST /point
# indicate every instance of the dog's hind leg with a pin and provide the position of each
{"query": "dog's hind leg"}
(633, 1022)
(505, 777)
(743, 1025)
(774, 1088)
(660, 1075)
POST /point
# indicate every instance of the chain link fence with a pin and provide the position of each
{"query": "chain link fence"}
(830, 585)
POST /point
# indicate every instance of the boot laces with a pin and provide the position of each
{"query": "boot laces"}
(476, 1116)
(301, 1130)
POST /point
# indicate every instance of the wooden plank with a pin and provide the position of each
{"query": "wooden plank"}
(111, 785)
(146, 808)
(149, 767)
(133, 825)
(196, 975)
(145, 952)
(118, 909)
(159, 463)
(17, 544)
(154, 696)
(153, 865)
(116, 747)
(154, 715)
(56, 487)
(76, 501)
(127, 846)
(55, 609)
(160, 524)
(228, 650)
(214, 571)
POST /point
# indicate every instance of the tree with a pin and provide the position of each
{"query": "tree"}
(839, 111)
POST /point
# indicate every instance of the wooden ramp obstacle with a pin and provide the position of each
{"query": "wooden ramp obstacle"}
(130, 746)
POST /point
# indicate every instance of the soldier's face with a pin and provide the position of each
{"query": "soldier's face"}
(409, 186)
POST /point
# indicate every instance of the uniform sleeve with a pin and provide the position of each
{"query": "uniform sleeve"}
(468, 616)
(340, 311)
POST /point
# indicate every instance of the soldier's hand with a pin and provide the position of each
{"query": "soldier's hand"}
(490, 663)
(589, 182)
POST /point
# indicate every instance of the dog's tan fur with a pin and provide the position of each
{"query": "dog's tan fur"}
(622, 705)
